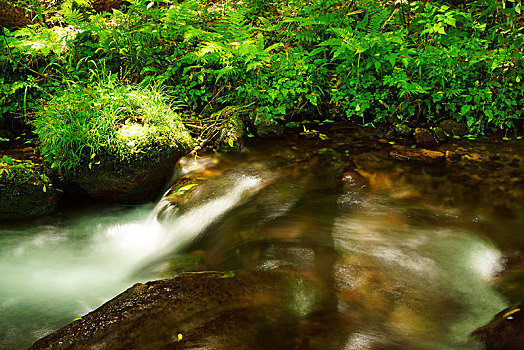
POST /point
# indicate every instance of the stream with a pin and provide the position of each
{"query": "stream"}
(416, 254)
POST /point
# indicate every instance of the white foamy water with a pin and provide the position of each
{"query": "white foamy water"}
(49, 275)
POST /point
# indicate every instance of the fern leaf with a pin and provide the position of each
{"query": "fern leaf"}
(73, 16)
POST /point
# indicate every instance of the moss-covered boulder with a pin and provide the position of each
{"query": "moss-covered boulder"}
(25, 191)
(136, 181)
(118, 143)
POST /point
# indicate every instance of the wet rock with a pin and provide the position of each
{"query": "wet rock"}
(264, 126)
(454, 128)
(424, 138)
(403, 130)
(440, 136)
(419, 154)
(134, 182)
(505, 331)
(137, 180)
(211, 310)
(25, 191)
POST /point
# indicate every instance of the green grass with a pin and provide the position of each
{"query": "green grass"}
(87, 124)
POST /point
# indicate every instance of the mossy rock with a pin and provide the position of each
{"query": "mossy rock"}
(25, 191)
(131, 182)
(118, 143)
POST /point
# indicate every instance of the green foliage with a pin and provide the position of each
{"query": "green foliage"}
(110, 121)
(365, 60)
(14, 173)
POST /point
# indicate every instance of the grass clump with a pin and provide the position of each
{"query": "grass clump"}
(110, 122)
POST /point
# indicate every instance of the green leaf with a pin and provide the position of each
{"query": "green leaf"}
(186, 188)
(231, 143)
(228, 275)
(44, 189)
(2, 139)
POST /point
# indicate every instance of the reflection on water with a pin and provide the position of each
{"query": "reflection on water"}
(407, 270)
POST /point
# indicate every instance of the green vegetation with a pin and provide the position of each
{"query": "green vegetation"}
(107, 120)
(26, 180)
(368, 61)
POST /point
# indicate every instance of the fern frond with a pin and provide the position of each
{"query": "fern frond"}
(73, 16)
(179, 13)
(212, 47)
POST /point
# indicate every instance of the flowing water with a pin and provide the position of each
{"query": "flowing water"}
(410, 254)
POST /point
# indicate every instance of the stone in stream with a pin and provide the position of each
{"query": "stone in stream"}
(138, 179)
(403, 130)
(418, 154)
(505, 331)
(210, 310)
(264, 126)
(454, 128)
(424, 138)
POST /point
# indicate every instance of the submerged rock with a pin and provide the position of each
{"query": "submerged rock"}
(505, 331)
(25, 191)
(419, 154)
(209, 310)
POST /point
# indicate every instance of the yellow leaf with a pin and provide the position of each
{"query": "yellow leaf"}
(518, 79)
(179, 337)
(186, 188)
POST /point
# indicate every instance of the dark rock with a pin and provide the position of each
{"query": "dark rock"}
(25, 192)
(135, 180)
(264, 126)
(132, 182)
(419, 154)
(390, 134)
(505, 331)
(403, 130)
(440, 136)
(424, 138)
(454, 128)
(209, 310)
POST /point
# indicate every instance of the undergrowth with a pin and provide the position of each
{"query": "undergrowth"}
(368, 61)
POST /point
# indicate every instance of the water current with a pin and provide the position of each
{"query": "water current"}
(414, 263)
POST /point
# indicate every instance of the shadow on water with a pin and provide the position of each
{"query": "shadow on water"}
(376, 254)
